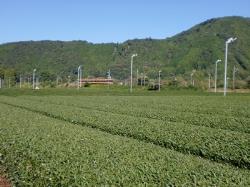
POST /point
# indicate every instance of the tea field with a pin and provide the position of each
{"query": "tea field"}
(125, 140)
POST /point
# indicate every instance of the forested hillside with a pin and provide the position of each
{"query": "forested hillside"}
(195, 49)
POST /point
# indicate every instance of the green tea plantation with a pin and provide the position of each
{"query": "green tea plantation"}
(125, 140)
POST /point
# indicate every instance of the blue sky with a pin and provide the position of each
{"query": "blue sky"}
(100, 21)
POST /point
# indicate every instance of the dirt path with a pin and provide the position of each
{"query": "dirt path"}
(4, 182)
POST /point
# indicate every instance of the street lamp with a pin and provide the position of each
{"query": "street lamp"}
(34, 76)
(79, 78)
(215, 75)
(131, 72)
(230, 40)
(159, 81)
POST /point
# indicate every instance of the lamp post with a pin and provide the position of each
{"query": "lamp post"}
(131, 72)
(234, 71)
(159, 81)
(230, 40)
(79, 78)
(215, 75)
(34, 76)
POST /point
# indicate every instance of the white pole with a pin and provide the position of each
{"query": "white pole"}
(79, 77)
(192, 78)
(34, 76)
(215, 76)
(230, 40)
(0, 83)
(225, 74)
(159, 83)
(131, 72)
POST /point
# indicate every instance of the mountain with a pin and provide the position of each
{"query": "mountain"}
(195, 49)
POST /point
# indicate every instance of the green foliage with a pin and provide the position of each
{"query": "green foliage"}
(183, 119)
(248, 82)
(47, 76)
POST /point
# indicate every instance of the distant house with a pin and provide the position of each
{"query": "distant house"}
(97, 81)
